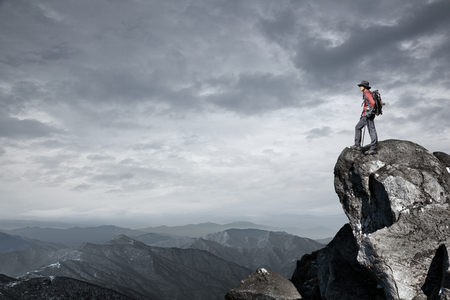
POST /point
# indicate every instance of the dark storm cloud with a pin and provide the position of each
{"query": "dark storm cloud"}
(408, 100)
(369, 46)
(49, 55)
(179, 48)
(170, 72)
(28, 128)
(117, 84)
(20, 95)
(413, 110)
(281, 27)
(258, 92)
(97, 54)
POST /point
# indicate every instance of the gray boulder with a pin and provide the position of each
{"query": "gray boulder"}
(264, 285)
(395, 245)
(397, 202)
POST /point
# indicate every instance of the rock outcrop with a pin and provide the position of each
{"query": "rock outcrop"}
(264, 285)
(395, 245)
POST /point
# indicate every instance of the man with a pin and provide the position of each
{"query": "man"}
(367, 118)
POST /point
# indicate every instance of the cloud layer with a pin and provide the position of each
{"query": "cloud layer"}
(125, 110)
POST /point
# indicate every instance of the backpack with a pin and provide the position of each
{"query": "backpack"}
(378, 110)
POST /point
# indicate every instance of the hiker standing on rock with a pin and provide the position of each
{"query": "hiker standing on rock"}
(367, 118)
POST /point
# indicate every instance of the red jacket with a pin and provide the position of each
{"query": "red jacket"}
(369, 103)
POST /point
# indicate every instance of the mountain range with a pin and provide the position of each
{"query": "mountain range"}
(74, 236)
(253, 248)
(8, 224)
(200, 230)
(315, 227)
(206, 268)
(164, 236)
(132, 268)
(196, 261)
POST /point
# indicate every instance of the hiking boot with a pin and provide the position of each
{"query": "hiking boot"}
(371, 152)
(355, 147)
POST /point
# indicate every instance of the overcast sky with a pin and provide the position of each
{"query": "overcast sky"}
(128, 111)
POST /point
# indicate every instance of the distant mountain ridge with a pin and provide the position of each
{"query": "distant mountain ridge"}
(202, 229)
(161, 234)
(76, 235)
(15, 243)
(256, 238)
(254, 248)
(9, 224)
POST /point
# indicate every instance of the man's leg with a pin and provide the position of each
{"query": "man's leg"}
(373, 133)
(358, 127)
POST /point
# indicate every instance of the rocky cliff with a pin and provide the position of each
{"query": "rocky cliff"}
(395, 244)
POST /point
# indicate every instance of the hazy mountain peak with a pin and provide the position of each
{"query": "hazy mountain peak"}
(242, 223)
(121, 239)
(125, 240)
(221, 237)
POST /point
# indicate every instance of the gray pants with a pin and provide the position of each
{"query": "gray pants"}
(372, 131)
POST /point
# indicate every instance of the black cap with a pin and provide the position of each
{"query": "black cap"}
(365, 84)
